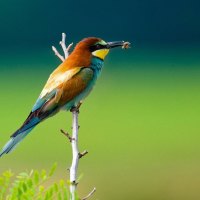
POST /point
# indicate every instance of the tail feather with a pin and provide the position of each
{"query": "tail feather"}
(21, 133)
(29, 123)
(32, 120)
(14, 141)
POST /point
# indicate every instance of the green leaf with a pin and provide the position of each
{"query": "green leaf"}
(41, 188)
(46, 196)
(52, 170)
(8, 174)
(23, 175)
(62, 183)
(29, 186)
(43, 175)
(65, 196)
(59, 196)
(24, 186)
(1, 181)
(80, 177)
(20, 192)
(30, 183)
(56, 187)
(51, 192)
(36, 177)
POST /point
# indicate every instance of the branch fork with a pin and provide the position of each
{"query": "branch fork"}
(76, 155)
(64, 48)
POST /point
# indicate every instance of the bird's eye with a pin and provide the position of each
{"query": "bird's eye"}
(98, 46)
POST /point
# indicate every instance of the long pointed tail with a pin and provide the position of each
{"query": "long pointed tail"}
(32, 120)
(21, 133)
(14, 141)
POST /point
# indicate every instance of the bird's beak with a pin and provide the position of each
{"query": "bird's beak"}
(115, 44)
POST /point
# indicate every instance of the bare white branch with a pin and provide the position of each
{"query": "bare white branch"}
(90, 194)
(64, 48)
(69, 47)
(75, 154)
(63, 45)
(58, 54)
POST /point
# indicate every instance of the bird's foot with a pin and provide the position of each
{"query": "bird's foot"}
(74, 109)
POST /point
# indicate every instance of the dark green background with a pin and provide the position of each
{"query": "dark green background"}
(146, 21)
(141, 124)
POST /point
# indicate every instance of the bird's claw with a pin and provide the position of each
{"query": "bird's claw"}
(74, 109)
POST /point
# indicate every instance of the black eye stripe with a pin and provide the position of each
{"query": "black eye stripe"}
(97, 47)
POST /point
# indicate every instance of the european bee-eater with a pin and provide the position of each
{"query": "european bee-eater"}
(67, 86)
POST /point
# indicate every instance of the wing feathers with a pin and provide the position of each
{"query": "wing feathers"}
(58, 78)
(76, 85)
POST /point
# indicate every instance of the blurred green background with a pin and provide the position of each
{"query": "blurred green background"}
(140, 125)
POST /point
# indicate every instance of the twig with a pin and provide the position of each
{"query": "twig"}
(83, 154)
(63, 45)
(58, 54)
(64, 48)
(90, 194)
(67, 135)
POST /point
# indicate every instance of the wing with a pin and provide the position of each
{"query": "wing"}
(53, 87)
(76, 86)
(58, 97)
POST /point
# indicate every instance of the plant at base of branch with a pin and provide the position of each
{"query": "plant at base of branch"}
(36, 185)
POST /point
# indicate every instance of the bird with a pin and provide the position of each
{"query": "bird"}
(67, 86)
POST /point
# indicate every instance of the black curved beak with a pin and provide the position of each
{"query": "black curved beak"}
(111, 45)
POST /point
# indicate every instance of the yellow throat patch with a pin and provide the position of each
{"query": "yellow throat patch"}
(101, 53)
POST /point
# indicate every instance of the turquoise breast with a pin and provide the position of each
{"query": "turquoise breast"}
(96, 66)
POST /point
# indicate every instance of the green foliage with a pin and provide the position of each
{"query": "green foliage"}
(34, 185)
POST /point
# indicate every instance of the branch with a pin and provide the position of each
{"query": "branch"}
(64, 48)
(58, 54)
(75, 155)
(83, 154)
(90, 194)
(67, 135)
(63, 45)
